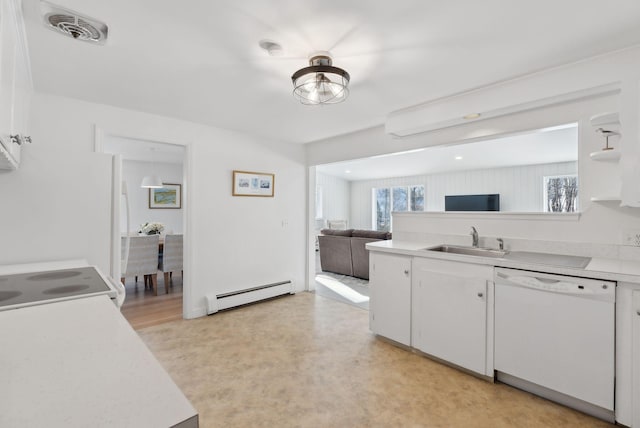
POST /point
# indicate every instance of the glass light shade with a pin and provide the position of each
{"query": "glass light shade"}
(151, 182)
(320, 83)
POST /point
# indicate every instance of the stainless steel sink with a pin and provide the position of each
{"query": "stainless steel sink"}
(468, 251)
(561, 260)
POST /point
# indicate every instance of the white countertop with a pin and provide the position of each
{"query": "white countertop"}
(78, 363)
(598, 268)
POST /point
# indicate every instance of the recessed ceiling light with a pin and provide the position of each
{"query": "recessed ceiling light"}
(273, 48)
(471, 116)
(458, 157)
(348, 171)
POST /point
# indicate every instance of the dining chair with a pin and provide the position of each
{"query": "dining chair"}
(143, 258)
(171, 259)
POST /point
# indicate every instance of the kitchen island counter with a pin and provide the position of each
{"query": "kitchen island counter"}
(79, 363)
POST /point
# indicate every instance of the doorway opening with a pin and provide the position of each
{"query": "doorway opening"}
(340, 261)
(149, 228)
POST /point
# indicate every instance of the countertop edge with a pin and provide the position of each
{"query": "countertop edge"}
(418, 249)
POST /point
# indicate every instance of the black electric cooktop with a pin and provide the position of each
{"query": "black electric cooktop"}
(25, 289)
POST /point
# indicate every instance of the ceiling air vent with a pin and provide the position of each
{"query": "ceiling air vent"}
(73, 24)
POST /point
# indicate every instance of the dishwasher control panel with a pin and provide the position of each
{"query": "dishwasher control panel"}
(586, 287)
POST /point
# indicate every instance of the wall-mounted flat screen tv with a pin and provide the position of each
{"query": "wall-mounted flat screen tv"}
(489, 202)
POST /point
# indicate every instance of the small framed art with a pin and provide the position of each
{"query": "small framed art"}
(247, 183)
(168, 196)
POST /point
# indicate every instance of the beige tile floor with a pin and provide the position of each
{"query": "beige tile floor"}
(308, 361)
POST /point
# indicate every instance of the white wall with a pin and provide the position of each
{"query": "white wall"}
(600, 222)
(520, 188)
(335, 197)
(57, 205)
(621, 69)
(132, 174)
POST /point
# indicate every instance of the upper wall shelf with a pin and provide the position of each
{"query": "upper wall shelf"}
(606, 198)
(606, 155)
(608, 118)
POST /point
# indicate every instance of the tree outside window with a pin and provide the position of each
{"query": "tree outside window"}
(417, 198)
(561, 194)
(382, 209)
(399, 198)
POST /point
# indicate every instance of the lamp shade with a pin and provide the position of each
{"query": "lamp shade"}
(320, 83)
(151, 182)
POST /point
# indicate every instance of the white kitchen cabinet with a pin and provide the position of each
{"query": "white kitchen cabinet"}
(636, 359)
(15, 83)
(627, 328)
(449, 312)
(390, 300)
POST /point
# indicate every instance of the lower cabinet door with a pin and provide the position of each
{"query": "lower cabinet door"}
(449, 312)
(390, 301)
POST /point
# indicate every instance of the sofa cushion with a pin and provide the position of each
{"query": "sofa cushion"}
(335, 254)
(360, 256)
(334, 232)
(373, 234)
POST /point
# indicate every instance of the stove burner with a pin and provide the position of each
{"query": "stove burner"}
(66, 289)
(6, 295)
(48, 276)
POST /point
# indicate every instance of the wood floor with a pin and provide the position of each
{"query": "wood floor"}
(143, 309)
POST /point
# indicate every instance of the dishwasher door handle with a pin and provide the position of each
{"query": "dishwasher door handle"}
(531, 281)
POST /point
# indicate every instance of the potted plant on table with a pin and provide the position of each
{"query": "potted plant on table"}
(152, 228)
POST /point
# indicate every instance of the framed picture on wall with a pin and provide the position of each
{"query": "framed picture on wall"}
(247, 183)
(169, 196)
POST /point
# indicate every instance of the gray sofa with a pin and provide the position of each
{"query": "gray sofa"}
(344, 251)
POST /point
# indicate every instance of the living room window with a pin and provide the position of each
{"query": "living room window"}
(398, 198)
(561, 193)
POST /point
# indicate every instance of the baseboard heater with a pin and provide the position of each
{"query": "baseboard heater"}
(218, 302)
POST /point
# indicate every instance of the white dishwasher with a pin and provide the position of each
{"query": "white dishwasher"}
(555, 337)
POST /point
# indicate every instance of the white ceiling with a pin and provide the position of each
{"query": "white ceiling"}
(199, 60)
(558, 144)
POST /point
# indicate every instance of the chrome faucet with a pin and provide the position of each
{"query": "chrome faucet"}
(474, 235)
(500, 243)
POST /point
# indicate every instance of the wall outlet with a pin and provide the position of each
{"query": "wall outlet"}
(631, 237)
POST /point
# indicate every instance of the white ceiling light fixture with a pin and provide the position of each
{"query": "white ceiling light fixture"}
(321, 82)
(151, 182)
